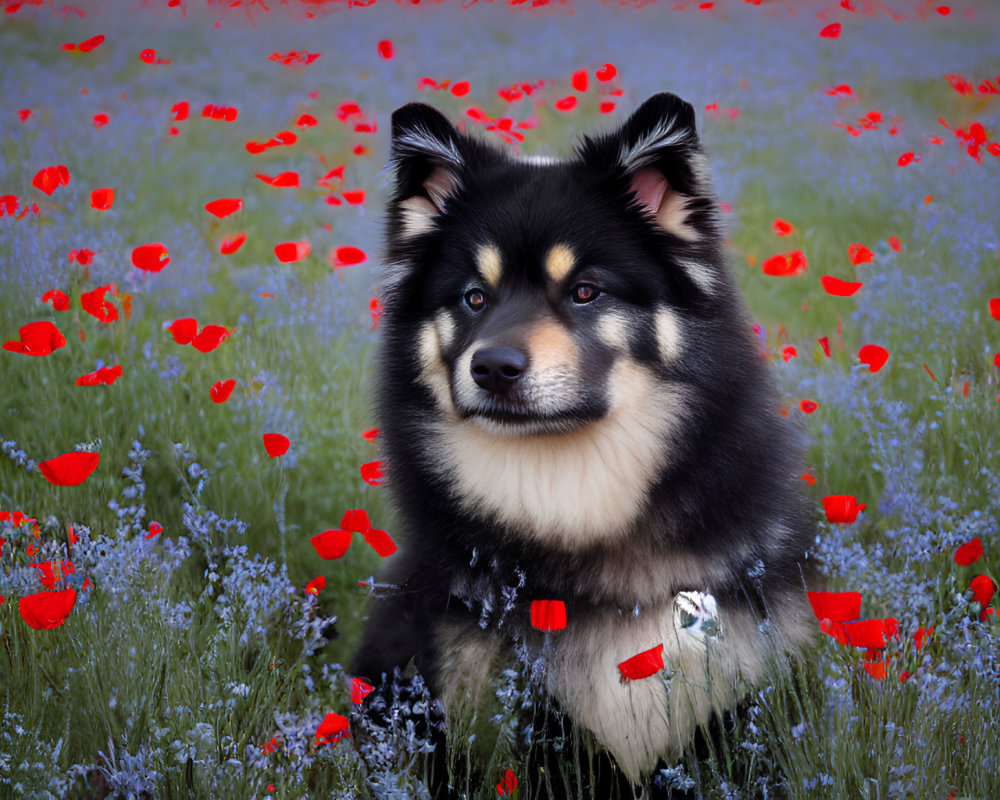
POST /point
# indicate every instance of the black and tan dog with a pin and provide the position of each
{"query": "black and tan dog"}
(573, 407)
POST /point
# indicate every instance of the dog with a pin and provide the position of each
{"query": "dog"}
(573, 407)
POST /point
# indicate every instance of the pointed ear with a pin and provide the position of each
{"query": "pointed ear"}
(658, 154)
(427, 154)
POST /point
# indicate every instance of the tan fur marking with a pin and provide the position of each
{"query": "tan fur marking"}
(574, 489)
(559, 262)
(613, 330)
(432, 369)
(551, 348)
(417, 216)
(672, 217)
(668, 334)
(441, 184)
(489, 263)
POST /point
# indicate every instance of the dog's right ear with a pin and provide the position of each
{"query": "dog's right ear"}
(427, 155)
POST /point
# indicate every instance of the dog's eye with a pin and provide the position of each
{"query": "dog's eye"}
(584, 293)
(475, 299)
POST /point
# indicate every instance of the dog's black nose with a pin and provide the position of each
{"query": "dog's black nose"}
(498, 368)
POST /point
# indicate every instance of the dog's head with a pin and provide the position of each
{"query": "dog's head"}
(526, 281)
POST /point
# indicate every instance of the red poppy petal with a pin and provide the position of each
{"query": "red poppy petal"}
(548, 615)
(874, 356)
(347, 256)
(276, 444)
(360, 690)
(839, 288)
(606, 73)
(355, 520)
(371, 473)
(69, 469)
(315, 585)
(184, 329)
(331, 544)
(333, 728)
(380, 541)
(842, 508)
(46, 610)
(224, 206)
(102, 199)
(232, 243)
(221, 390)
(859, 254)
(831, 31)
(289, 252)
(836, 606)
(643, 664)
(210, 337)
(36, 339)
(969, 553)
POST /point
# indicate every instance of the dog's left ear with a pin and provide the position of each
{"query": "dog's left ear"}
(658, 153)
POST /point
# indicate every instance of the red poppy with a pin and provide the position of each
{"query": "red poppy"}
(183, 329)
(155, 529)
(839, 288)
(69, 469)
(360, 690)
(508, 784)
(995, 308)
(808, 406)
(894, 244)
(102, 199)
(59, 299)
(969, 553)
(288, 252)
(871, 634)
(385, 49)
(785, 264)
(306, 121)
(284, 180)
(921, 636)
(371, 434)
(331, 544)
(859, 254)
(224, 206)
(46, 610)
(232, 243)
(106, 375)
(831, 31)
(606, 73)
(347, 256)
(314, 586)
(642, 665)
(36, 339)
(276, 444)
(51, 178)
(842, 508)
(371, 473)
(580, 80)
(548, 615)
(783, 228)
(874, 356)
(94, 303)
(355, 520)
(221, 390)
(983, 588)
(150, 257)
(833, 609)
(789, 352)
(333, 728)
(566, 103)
(460, 89)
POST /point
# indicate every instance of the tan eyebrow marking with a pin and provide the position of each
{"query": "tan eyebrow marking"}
(559, 262)
(489, 264)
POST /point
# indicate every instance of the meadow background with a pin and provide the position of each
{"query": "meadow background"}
(194, 663)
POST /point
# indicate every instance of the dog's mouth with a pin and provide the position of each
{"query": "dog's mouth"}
(509, 418)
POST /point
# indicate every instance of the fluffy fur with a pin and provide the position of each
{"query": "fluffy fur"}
(573, 407)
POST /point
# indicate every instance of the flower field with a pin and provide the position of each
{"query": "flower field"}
(190, 505)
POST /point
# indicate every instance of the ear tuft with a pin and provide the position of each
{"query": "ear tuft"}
(427, 154)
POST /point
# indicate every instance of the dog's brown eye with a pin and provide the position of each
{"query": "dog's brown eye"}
(584, 293)
(475, 299)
